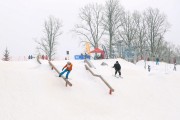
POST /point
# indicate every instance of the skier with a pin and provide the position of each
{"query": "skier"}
(117, 68)
(68, 68)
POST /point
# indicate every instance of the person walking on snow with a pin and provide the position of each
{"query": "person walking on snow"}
(67, 68)
(117, 68)
(174, 67)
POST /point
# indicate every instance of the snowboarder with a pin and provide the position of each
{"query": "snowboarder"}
(68, 68)
(117, 68)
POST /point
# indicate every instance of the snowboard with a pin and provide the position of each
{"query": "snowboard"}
(67, 80)
(64, 77)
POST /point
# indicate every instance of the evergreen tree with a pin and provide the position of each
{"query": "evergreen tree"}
(6, 55)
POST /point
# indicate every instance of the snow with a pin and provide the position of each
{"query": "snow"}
(32, 91)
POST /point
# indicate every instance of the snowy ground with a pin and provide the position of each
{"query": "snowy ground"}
(30, 91)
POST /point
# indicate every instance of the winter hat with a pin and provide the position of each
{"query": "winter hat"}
(68, 63)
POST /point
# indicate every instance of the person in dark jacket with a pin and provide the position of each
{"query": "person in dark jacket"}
(174, 67)
(117, 68)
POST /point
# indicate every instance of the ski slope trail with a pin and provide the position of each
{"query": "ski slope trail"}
(32, 91)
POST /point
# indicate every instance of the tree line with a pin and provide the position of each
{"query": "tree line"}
(110, 25)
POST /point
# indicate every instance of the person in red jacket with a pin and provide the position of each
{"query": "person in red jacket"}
(67, 68)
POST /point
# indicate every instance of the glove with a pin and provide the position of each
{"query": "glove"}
(62, 69)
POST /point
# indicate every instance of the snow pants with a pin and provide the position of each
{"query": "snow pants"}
(67, 74)
(118, 71)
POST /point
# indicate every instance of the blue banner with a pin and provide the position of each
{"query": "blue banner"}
(81, 57)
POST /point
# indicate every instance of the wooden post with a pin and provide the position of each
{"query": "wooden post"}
(66, 84)
(110, 92)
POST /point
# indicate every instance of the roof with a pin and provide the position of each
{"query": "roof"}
(97, 50)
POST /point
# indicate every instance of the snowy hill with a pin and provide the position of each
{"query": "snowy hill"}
(32, 91)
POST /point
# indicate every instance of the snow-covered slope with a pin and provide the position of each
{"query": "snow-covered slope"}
(30, 91)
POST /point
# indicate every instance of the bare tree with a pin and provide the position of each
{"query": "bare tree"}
(168, 51)
(140, 34)
(162, 49)
(177, 54)
(128, 31)
(51, 33)
(90, 28)
(177, 51)
(157, 26)
(112, 21)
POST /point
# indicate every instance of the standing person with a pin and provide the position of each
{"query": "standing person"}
(149, 68)
(68, 68)
(157, 61)
(117, 68)
(174, 67)
(85, 56)
(29, 57)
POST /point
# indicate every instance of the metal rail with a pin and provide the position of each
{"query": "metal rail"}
(89, 63)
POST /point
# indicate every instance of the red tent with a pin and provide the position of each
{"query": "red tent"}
(97, 50)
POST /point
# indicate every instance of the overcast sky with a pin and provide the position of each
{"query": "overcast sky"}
(22, 20)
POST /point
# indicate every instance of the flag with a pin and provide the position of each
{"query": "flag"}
(87, 48)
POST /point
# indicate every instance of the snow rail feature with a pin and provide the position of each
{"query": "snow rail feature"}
(53, 67)
(89, 63)
(111, 89)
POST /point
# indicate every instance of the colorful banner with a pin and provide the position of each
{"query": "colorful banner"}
(88, 48)
(81, 57)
